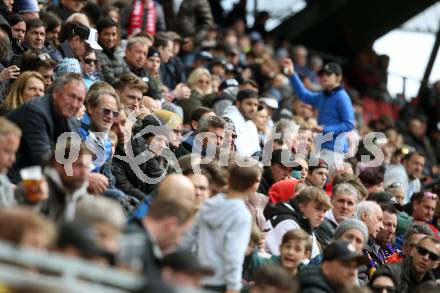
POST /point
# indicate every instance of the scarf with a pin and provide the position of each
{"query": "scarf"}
(137, 21)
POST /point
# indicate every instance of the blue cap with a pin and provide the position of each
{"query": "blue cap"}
(25, 6)
(67, 65)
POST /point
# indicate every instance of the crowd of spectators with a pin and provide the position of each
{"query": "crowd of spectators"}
(179, 143)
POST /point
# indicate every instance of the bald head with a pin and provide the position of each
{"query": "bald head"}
(176, 186)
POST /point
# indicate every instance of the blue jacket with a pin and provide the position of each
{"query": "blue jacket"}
(335, 112)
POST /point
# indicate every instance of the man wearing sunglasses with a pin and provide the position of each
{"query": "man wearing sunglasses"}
(417, 268)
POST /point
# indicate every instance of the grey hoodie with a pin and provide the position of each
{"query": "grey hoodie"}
(222, 233)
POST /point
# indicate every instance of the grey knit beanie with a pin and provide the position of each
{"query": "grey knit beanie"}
(351, 224)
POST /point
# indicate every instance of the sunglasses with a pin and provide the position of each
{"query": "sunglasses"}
(396, 185)
(107, 112)
(90, 61)
(379, 289)
(423, 251)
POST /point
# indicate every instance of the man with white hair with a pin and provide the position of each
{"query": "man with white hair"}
(79, 17)
(343, 201)
(371, 214)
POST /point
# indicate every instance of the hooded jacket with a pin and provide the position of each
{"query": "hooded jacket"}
(282, 217)
(222, 234)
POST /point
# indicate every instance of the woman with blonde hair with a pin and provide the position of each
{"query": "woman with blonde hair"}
(29, 84)
(200, 83)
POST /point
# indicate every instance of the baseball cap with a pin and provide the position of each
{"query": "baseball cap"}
(153, 52)
(185, 261)
(332, 68)
(270, 102)
(227, 83)
(343, 251)
(90, 35)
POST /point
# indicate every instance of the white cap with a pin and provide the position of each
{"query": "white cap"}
(92, 40)
(270, 102)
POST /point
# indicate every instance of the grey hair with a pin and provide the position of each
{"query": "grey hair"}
(78, 16)
(211, 122)
(94, 97)
(61, 82)
(346, 188)
(417, 228)
(93, 209)
(366, 206)
(136, 40)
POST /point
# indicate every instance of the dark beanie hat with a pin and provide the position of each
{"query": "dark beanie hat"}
(246, 94)
(153, 52)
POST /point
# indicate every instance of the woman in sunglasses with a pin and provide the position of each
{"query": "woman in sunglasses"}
(102, 108)
(89, 66)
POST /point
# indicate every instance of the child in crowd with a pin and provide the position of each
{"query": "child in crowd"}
(295, 247)
(224, 228)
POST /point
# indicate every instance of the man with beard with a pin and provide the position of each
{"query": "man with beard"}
(386, 236)
(241, 114)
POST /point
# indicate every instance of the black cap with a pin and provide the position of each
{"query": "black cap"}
(232, 82)
(277, 157)
(343, 251)
(332, 68)
(153, 52)
(218, 61)
(185, 261)
(80, 30)
(152, 125)
(204, 55)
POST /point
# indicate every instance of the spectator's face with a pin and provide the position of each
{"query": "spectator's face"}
(382, 282)
(53, 35)
(107, 236)
(136, 55)
(424, 211)
(35, 239)
(330, 81)
(414, 166)
(9, 4)
(88, 63)
(417, 128)
(261, 119)
(386, 235)
(78, 47)
(153, 64)
(248, 108)
(131, 97)
(314, 212)
(318, 177)
(217, 134)
(305, 141)
(47, 73)
(109, 37)
(422, 264)
(157, 144)
(376, 188)
(166, 53)
(201, 184)
(280, 172)
(340, 273)
(80, 170)
(8, 148)
(355, 237)
(343, 206)
(399, 194)
(69, 100)
(123, 128)
(203, 83)
(103, 115)
(19, 30)
(33, 88)
(302, 109)
(300, 57)
(292, 253)
(176, 136)
(35, 37)
(410, 243)
(304, 169)
(374, 222)
(74, 5)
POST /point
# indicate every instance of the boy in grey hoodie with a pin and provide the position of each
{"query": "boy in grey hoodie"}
(223, 229)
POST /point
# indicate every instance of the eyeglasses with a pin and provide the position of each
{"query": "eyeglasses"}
(90, 61)
(430, 195)
(423, 251)
(379, 289)
(107, 112)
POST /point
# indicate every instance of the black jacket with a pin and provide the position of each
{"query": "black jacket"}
(40, 127)
(282, 211)
(126, 179)
(312, 280)
(325, 232)
(266, 181)
(402, 272)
